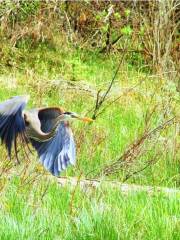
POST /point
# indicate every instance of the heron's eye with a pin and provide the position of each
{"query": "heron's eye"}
(26, 121)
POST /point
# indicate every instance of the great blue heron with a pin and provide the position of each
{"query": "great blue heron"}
(46, 128)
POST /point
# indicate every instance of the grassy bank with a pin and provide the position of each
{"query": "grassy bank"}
(32, 208)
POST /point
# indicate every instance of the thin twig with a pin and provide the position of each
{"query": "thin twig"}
(100, 101)
(116, 99)
(115, 166)
(73, 194)
(140, 170)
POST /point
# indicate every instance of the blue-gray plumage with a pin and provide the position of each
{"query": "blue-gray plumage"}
(11, 122)
(46, 128)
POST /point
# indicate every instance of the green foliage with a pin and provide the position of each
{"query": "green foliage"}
(117, 15)
(35, 75)
(34, 207)
(20, 10)
(83, 19)
(142, 31)
(127, 30)
(127, 12)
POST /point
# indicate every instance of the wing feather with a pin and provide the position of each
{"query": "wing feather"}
(58, 152)
(11, 121)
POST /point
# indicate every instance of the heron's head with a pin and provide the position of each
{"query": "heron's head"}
(68, 116)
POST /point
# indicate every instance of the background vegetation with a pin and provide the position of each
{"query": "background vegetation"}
(115, 61)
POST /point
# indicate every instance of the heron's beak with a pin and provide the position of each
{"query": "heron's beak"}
(76, 116)
(85, 119)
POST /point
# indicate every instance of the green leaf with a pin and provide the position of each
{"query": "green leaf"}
(141, 32)
(104, 28)
(127, 30)
(117, 15)
(127, 12)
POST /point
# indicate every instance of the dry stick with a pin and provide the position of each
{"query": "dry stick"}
(97, 99)
(129, 90)
(116, 99)
(45, 191)
(73, 194)
(140, 170)
(113, 167)
(149, 163)
(29, 180)
(100, 101)
(70, 29)
(7, 166)
(108, 34)
(148, 118)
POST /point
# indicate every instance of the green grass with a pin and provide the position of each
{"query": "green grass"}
(60, 213)
(26, 212)
(120, 125)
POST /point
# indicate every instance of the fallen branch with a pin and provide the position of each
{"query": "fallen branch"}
(85, 184)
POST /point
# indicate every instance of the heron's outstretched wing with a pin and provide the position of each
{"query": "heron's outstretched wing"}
(11, 121)
(58, 152)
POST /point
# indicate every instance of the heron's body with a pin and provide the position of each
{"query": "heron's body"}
(46, 128)
(33, 124)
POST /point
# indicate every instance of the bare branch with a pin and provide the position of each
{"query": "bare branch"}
(85, 184)
(150, 163)
(134, 150)
(100, 101)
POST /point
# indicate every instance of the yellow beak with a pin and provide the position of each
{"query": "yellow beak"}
(86, 119)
